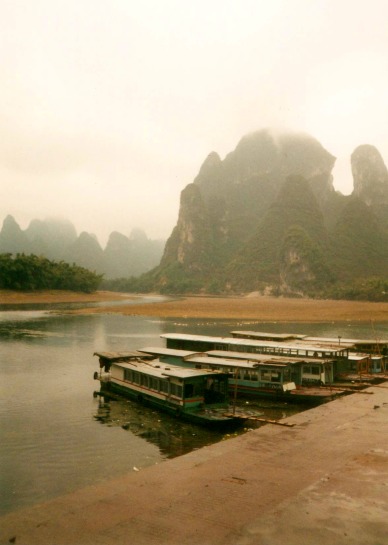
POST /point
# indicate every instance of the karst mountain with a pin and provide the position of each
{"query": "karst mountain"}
(267, 218)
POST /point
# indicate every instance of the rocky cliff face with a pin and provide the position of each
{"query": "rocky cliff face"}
(268, 215)
(224, 206)
(371, 180)
(370, 175)
(191, 243)
(289, 245)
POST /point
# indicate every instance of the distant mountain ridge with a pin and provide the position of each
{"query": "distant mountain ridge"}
(267, 218)
(57, 240)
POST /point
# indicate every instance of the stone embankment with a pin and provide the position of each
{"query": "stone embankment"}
(323, 481)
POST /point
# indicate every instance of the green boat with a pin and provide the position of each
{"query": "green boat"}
(197, 395)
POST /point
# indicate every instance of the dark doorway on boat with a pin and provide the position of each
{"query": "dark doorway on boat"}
(215, 390)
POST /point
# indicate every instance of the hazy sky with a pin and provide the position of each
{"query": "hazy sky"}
(109, 107)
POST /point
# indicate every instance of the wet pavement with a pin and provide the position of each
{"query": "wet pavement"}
(322, 481)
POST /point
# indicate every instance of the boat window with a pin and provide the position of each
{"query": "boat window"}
(144, 380)
(270, 376)
(254, 375)
(164, 386)
(311, 370)
(265, 375)
(221, 385)
(189, 390)
(176, 390)
(154, 383)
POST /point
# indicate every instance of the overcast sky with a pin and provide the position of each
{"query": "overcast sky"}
(109, 107)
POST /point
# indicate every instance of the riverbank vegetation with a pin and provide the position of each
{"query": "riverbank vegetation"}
(30, 272)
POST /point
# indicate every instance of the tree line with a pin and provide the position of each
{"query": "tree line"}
(31, 272)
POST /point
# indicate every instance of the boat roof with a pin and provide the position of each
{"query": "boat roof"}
(224, 362)
(338, 340)
(121, 356)
(297, 345)
(343, 340)
(161, 351)
(358, 357)
(263, 358)
(273, 336)
(159, 369)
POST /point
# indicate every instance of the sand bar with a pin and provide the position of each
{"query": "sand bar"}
(258, 308)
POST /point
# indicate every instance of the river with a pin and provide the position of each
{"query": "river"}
(56, 436)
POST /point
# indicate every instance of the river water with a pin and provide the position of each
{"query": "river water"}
(56, 436)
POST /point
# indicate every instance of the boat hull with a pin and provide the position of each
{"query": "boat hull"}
(308, 395)
(211, 417)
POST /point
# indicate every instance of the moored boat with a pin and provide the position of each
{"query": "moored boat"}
(258, 375)
(196, 395)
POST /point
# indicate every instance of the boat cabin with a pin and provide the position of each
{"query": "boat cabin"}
(178, 387)
(296, 349)
(249, 376)
(303, 371)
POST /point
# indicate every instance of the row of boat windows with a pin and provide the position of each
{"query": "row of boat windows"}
(153, 383)
(247, 374)
(265, 375)
(203, 347)
(163, 385)
(311, 370)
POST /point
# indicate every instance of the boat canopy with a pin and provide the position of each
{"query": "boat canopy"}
(122, 356)
(263, 336)
(244, 364)
(172, 352)
(262, 358)
(163, 370)
(296, 348)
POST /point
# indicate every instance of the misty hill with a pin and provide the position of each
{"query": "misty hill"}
(57, 240)
(268, 218)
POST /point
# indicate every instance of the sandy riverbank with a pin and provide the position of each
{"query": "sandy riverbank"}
(8, 297)
(256, 308)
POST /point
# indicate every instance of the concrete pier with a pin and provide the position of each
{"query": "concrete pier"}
(322, 482)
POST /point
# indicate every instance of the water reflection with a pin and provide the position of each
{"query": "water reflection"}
(172, 436)
(56, 437)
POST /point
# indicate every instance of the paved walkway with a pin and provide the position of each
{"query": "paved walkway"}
(322, 482)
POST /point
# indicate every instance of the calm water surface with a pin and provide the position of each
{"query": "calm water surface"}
(56, 436)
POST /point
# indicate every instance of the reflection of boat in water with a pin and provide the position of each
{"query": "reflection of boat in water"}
(197, 395)
(172, 436)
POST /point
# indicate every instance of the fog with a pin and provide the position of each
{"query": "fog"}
(108, 109)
